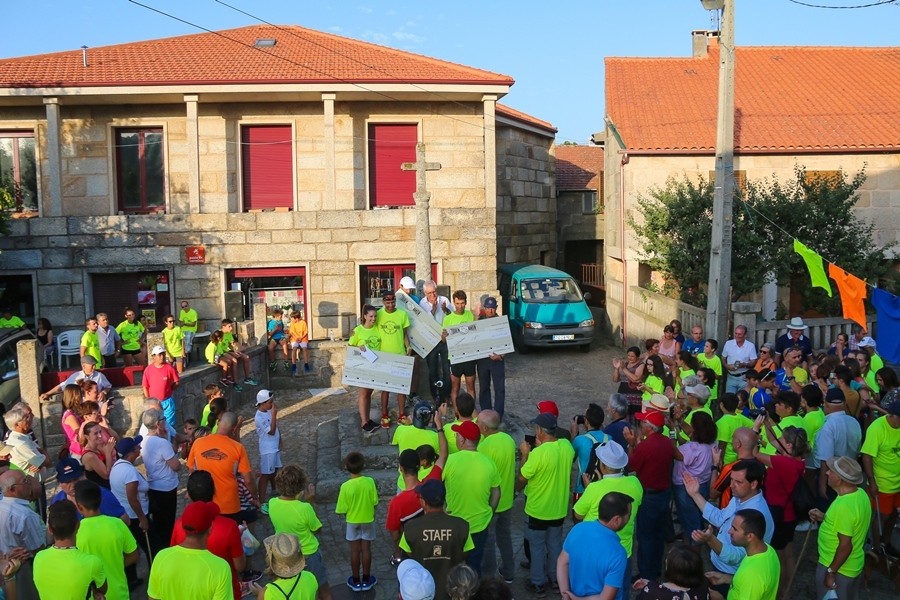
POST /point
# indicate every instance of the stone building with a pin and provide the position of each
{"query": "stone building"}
(831, 110)
(265, 160)
(580, 211)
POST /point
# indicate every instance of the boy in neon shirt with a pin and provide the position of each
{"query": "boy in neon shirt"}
(276, 337)
(90, 343)
(357, 500)
(173, 340)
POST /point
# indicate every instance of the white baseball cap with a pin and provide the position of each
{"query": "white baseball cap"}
(416, 583)
(407, 283)
(263, 396)
(157, 350)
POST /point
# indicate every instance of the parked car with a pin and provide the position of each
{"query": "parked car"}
(545, 308)
(9, 366)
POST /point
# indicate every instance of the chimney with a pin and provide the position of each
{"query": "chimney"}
(84, 61)
(701, 40)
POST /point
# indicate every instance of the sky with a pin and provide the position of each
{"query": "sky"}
(554, 51)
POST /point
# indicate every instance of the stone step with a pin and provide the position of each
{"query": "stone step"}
(329, 484)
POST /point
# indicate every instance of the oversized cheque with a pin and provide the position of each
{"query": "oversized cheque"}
(391, 372)
(479, 339)
(424, 332)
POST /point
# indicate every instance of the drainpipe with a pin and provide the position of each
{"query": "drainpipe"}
(622, 250)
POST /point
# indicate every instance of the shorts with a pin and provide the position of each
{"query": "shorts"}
(268, 463)
(360, 531)
(176, 359)
(887, 503)
(315, 564)
(296, 345)
(245, 516)
(783, 534)
(466, 369)
(276, 340)
(131, 352)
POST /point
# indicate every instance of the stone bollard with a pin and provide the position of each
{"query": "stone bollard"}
(154, 339)
(260, 324)
(746, 313)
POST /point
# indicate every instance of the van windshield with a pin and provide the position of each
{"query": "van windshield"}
(551, 290)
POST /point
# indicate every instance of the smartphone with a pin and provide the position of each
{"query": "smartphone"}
(578, 419)
(531, 441)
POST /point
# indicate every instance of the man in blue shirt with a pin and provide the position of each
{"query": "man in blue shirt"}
(592, 560)
(695, 343)
(585, 442)
(69, 472)
(617, 409)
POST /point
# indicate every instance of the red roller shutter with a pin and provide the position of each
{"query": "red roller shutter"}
(267, 167)
(389, 147)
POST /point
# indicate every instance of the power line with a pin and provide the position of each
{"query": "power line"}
(879, 3)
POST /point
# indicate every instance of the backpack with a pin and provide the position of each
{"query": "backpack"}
(593, 461)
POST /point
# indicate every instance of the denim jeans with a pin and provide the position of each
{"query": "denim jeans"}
(475, 556)
(690, 517)
(491, 371)
(650, 531)
(438, 361)
(546, 546)
(733, 384)
(499, 538)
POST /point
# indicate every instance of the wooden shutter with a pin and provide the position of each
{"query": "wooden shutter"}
(389, 147)
(267, 167)
(740, 180)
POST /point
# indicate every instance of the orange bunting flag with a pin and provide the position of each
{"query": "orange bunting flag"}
(853, 292)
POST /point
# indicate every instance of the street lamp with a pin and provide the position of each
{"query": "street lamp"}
(719, 286)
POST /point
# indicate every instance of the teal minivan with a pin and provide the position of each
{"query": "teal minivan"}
(545, 307)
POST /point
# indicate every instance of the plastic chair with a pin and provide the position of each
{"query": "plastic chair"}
(68, 343)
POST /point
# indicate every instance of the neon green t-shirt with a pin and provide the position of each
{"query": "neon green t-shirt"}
(180, 572)
(92, 346)
(391, 327)
(188, 316)
(814, 420)
(725, 427)
(876, 363)
(682, 373)
(654, 383)
(407, 437)
(714, 363)
(757, 577)
(451, 435)
(108, 539)
(13, 322)
(173, 340)
(688, 418)
(883, 445)
(870, 380)
(548, 471)
(357, 499)
(305, 589)
(297, 517)
(469, 477)
(130, 334)
(370, 338)
(210, 353)
(66, 574)
(501, 449)
(848, 515)
(588, 506)
(793, 421)
(455, 319)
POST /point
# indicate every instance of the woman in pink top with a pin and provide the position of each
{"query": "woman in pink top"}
(696, 458)
(71, 419)
(669, 347)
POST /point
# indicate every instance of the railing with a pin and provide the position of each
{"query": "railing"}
(822, 332)
(592, 274)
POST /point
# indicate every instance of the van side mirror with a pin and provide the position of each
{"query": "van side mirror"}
(587, 295)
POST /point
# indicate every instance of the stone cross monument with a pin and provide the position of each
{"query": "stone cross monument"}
(423, 226)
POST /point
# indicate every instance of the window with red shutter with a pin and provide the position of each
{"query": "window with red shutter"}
(267, 168)
(389, 147)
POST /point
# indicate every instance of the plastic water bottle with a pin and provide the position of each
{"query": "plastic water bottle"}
(830, 595)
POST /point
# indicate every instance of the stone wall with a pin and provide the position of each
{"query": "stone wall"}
(575, 225)
(526, 197)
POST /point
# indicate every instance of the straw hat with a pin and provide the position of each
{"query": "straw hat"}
(284, 557)
(657, 402)
(797, 324)
(846, 468)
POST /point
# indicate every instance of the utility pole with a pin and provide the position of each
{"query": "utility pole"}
(719, 289)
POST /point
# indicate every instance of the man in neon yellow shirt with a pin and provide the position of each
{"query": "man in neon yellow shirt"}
(460, 316)
(881, 460)
(465, 411)
(188, 319)
(500, 448)
(613, 460)
(473, 488)
(10, 321)
(392, 323)
(759, 571)
(842, 534)
(90, 343)
(546, 471)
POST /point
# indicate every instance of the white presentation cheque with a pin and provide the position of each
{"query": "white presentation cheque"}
(480, 339)
(389, 372)
(424, 332)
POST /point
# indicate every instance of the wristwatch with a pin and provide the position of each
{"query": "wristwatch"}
(829, 570)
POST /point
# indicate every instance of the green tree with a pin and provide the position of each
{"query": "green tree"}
(9, 193)
(676, 226)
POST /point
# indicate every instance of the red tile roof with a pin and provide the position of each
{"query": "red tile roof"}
(787, 99)
(228, 57)
(578, 167)
(515, 115)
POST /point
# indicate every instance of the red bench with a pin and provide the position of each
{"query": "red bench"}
(118, 377)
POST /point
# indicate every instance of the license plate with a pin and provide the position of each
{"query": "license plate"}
(562, 338)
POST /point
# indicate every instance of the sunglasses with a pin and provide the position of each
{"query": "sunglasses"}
(763, 351)
(170, 320)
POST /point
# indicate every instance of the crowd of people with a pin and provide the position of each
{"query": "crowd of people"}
(722, 456)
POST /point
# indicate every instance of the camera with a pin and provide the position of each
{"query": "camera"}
(579, 419)
(758, 412)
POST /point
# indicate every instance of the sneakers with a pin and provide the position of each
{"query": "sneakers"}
(238, 388)
(306, 370)
(807, 525)
(385, 421)
(539, 591)
(225, 381)
(272, 366)
(365, 586)
(508, 580)
(370, 426)
(245, 589)
(293, 369)
(251, 382)
(287, 365)
(354, 584)
(554, 586)
(264, 509)
(250, 576)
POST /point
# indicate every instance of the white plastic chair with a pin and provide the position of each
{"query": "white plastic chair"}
(68, 343)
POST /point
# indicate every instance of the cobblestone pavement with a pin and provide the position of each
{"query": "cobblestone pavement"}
(569, 377)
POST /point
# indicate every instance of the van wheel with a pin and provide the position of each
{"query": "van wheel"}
(585, 348)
